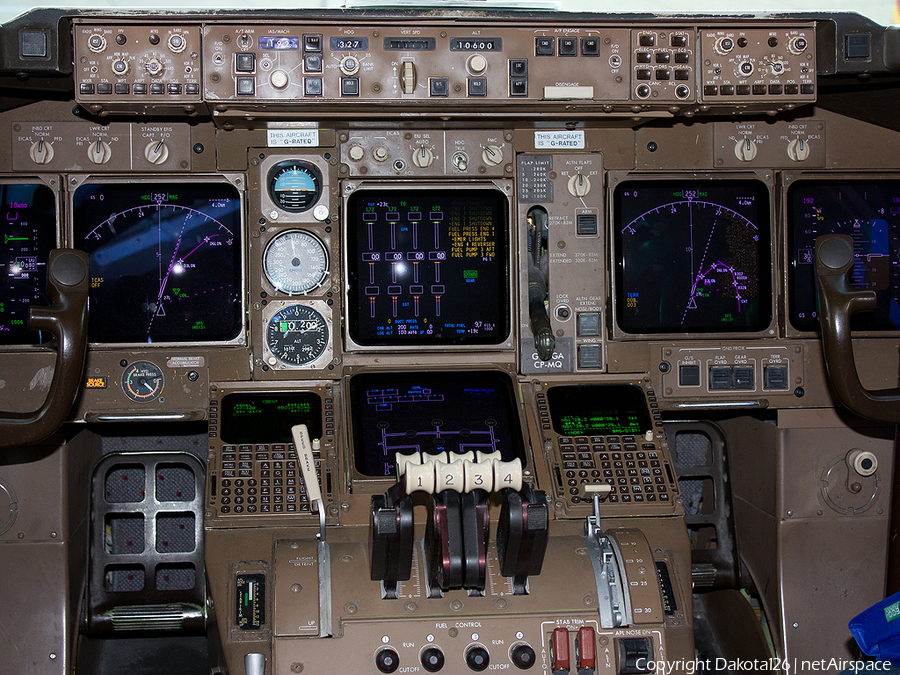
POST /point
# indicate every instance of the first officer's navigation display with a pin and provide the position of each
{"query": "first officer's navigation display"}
(868, 212)
(428, 266)
(692, 256)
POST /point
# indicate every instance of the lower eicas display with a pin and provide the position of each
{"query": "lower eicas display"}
(692, 256)
(431, 412)
(165, 261)
(29, 233)
(428, 266)
(867, 211)
(593, 409)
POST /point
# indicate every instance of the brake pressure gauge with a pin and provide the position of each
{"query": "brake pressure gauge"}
(295, 262)
(142, 381)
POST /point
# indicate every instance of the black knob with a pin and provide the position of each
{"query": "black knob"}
(432, 659)
(523, 656)
(477, 658)
(387, 660)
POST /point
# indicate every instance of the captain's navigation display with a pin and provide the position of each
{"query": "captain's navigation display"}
(431, 413)
(692, 256)
(592, 409)
(428, 266)
(867, 211)
(165, 261)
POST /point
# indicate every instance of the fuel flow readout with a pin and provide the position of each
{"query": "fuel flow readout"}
(428, 267)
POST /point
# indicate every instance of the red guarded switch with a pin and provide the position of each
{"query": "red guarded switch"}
(562, 663)
(586, 651)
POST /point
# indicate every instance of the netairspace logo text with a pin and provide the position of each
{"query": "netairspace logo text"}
(690, 667)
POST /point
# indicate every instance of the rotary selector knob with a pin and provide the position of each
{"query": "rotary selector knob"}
(380, 153)
(349, 65)
(177, 43)
(356, 152)
(492, 155)
(154, 67)
(41, 152)
(99, 152)
(96, 43)
(579, 185)
(775, 68)
(745, 150)
(798, 150)
(120, 68)
(423, 157)
(723, 46)
(156, 152)
(279, 79)
(477, 64)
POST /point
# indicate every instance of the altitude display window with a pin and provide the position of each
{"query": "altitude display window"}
(867, 211)
(428, 267)
(431, 413)
(28, 218)
(165, 261)
(692, 256)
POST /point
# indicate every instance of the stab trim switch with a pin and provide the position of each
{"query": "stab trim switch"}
(586, 651)
(561, 661)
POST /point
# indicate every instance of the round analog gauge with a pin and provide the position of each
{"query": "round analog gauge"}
(294, 185)
(297, 335)
(295, 262)
(142, 381)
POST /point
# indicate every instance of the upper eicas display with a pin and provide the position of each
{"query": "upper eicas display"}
(428, 266)
(165, 261)
(692, 256)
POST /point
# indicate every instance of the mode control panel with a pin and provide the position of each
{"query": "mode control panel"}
(151, 63)
(771, 64)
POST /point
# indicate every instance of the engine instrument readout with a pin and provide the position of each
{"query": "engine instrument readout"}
(432, 412)
(28, 218)
(692, 256)
(165, 261)
(867, 211)
(428, 266)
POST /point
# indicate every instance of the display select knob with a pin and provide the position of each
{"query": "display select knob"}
(99, 152)
(423, 157)
(156, 152)
(41, 152)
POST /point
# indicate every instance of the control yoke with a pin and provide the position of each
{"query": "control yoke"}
(66, 319)
(837, 303)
